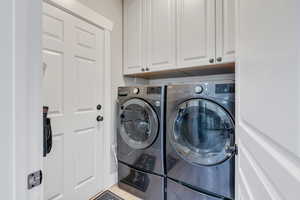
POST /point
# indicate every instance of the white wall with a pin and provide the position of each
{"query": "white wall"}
(6, 71)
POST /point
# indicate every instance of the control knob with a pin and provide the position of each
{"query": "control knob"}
(198, 89)
(136, 90)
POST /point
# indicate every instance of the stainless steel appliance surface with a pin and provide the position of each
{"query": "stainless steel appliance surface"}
(177, 191)
(140, 137)
(200, 143)
(144, 185)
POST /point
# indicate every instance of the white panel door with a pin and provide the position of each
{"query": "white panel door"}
(86, 87)
(225, 30)
(196, 32)
(73, 60)
(161, 35)
(268, 88)
(134, 40)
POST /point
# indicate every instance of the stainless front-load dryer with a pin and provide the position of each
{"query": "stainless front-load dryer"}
(200, 144)
(140, 141)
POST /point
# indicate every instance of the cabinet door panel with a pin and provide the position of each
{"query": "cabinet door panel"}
(196, 32)
(133, 36)
(161, 35)
(225, 30)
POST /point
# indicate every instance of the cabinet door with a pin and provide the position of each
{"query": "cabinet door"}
(133, 36)
(196, 32)
(225, 31)
(161, 34)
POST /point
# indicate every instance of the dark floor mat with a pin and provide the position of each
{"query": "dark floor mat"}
(108, 195)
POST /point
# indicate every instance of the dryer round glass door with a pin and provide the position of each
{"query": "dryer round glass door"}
(139, 124)
(203, 132)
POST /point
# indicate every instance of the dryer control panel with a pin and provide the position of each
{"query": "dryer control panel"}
(139, 91)
(225, 88)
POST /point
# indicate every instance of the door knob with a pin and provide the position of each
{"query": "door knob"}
(219, 59)
(143, 69)
(211, 60)
(100, 118)
(99, 107)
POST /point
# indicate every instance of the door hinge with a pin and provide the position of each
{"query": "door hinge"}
(34, 179)
(232, 150)
(236, 149)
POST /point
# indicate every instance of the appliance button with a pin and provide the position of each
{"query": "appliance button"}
(136, 90)
(157, 103)
(198, 89)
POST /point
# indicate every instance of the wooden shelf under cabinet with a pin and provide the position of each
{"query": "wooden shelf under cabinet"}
(188, 71)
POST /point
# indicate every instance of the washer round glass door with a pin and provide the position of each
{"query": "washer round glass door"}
(138, 123)
(203, 132)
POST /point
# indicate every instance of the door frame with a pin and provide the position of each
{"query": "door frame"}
(79, 10)
(22, 91)
(21, 123)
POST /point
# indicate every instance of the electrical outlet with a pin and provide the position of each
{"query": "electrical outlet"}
(34, 179)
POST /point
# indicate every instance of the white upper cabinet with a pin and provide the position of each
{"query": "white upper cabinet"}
(196, 32)
(149, 35)
(161, 35)
(225, 34)
(133, 36)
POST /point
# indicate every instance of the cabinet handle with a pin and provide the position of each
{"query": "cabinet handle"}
(147, 69)
(211, 60)
(143, 69)
(219, 59)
